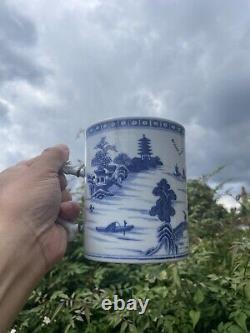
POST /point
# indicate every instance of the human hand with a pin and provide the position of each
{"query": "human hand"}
(32, 196)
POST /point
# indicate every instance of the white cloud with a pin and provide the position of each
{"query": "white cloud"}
(82, 61)
(229, 203)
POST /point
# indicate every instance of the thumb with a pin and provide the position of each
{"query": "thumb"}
(53, 157)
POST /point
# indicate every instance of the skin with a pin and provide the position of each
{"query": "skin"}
(32, 195)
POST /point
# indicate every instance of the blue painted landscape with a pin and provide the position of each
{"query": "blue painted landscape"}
(108, 172)
(145, 214)
(178, 174)
(138, 240)
(167, 236)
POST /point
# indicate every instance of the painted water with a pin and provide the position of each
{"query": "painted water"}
(121, 208)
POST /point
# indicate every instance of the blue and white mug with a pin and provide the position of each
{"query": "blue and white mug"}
(136, 201)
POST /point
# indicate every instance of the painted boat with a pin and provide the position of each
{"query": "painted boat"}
(116, 227)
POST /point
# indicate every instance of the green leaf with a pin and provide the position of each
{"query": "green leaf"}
(59, 294)
(124, 326)
(247, 290)
(213, 277)
(195, 316)
(176, 277)
(235, 329)
(163, 275)
(198, 296)
(214, 289)
(132, 328)
(87, 314)
(240, 319)
(57, 310)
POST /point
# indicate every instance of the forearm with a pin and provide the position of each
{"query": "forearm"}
(20, 270)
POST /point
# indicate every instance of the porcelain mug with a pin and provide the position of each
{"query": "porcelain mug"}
(136, 201)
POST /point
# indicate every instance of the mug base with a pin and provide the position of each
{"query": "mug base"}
(141, 260)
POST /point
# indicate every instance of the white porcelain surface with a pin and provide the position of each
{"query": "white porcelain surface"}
(134, 165)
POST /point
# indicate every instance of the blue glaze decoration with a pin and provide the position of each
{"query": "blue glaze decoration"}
(164, 210)
(116, 227)
(130, 163)
(110, 172)
(160, 124)
(139, 258)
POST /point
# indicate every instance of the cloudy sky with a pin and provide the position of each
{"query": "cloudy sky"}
(65, 66)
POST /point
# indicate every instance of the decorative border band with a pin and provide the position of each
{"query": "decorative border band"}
(133, 123)
(183, 255)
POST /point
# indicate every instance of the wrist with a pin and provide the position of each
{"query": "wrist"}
(21, 267)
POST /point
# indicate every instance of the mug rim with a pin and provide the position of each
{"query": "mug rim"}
(134, 118)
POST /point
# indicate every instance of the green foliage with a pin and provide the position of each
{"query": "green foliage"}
(245, 207)
(208, 292)
(202, 203)
(207, 217)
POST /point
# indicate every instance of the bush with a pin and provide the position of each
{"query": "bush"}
(202, 203)
(208, 292)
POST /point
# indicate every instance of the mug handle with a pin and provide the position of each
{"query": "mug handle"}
(72, 228)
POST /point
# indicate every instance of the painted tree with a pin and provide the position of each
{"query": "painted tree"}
(122, 159)
(176, 171)
(102, 157)
(164, 210)
(179, 230)
(144, 150)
